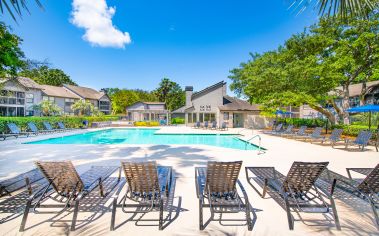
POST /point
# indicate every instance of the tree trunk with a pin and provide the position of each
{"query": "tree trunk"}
(338, 110)
(325, 112)
(345, 104)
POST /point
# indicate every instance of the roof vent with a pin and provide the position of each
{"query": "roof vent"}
(189, 88)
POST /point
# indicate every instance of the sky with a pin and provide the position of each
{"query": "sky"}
(135, 43)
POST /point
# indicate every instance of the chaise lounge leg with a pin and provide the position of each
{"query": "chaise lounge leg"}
(375, 213)
(75, 216)
(201, 224)
(161, 214)
(248, 218)
(289, 216)
(335, 215)
(25, 216)
(113, 219)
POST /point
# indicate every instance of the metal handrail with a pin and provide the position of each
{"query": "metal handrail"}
(260, 141)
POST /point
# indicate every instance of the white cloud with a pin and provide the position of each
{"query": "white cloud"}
(96, 18)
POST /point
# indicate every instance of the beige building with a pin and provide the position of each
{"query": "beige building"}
(213, 104)
(147, 111)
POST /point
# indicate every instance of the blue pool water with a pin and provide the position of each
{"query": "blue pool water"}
(148, 136)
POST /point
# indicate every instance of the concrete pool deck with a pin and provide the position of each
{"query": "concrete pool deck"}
(269, 217)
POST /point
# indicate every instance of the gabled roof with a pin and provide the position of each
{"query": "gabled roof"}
(55, 91)
(180, 110)
(208, 90)
(236, 104)
(354, 89)
(24, 81)
(84, 92)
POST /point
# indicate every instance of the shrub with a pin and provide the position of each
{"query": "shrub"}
(353, 130)
(146, 123)
(301, 121)
(69, 121)
(177, 121)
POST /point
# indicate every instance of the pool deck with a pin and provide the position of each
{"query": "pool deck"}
(269, 217)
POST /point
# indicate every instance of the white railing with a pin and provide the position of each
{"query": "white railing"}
(259, 145)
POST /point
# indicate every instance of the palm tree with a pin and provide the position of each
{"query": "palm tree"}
(16, 7)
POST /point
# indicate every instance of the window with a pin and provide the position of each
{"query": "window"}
(207, 117)
(189, 117)
(194, 117)
(12, 111)
(20, 111)
(104, 105)
(29, 98)
(201, 117)
(29, 113)
(226, 115)
(3, 111)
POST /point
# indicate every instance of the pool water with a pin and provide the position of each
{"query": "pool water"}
(148, 136)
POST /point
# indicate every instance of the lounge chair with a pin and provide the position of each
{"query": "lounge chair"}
(197, 125)
(148, 186)
(315, 135)
(3, 136)
(298, 189)
(62, 126)
(223, 126)
(206, 125)
(15, 131)
(70, 187)
(276, 130)
(367, 188)
(334, 138)
(216, 189)
(214, 125)
(301, 133)
(49, 128)
(287, 131)
(361, 141)
(24, 180)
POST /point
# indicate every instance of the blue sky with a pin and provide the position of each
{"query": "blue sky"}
(191, 42)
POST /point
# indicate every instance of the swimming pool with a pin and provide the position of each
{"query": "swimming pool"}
(148, 136)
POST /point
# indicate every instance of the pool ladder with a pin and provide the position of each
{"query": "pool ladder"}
(259, 145)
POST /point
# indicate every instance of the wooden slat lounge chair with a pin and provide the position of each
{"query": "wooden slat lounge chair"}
(298, 189)
(276, 130)
(49, 128)
(367, 188)
(315, 135)
(216, 188)
(15, 131)
(301, 133)
(287, 131)
(24, 180)
(65, 182)
(361, 141)
(148, 186)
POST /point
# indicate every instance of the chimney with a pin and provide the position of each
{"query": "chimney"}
(189, 92)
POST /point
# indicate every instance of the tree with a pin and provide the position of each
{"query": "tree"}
(48, 108)
(171, 93)
(311, 64)
(11, 56)
(121, 98)
(83, 107)
(49, 76)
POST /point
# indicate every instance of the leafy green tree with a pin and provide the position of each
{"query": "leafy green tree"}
(171, 93)
(49, 76)
(47, 108)
(83, 107)
(121, 98)
(11, 55)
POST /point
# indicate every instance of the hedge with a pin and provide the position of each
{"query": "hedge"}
(177, 121)
(69, 121)
(297, 122)
(353, 130)
(146, 123)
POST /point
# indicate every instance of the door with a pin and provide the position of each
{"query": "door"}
(237, 120)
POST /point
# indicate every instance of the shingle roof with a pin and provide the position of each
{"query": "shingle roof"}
(208, 89)
(26, 82)
(87, 93)
(180, 110)
(55, 91)
(236, 104)
(354, 89)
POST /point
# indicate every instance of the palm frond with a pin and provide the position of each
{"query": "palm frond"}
(342, 8)
(16, 7)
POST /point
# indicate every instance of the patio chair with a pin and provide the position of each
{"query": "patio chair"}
(62, 126)
(15, 131)
(315, 135)
(334, 137)
(216, 189)
(33, 128)
(223, 126)
(24, 180)
(148, 186)
(49, 128)
(214, 125)
(70, 187)
(206, 125)
(361, 141)
(366, 189)
(287, 131)
(3, 136)
(301, 133)
(276, 130)
(298, 189)
(197, 125)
